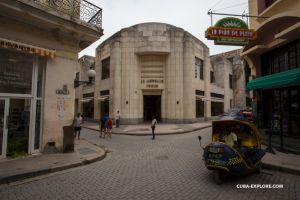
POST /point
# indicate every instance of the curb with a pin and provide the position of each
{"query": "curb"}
(280, 168)
(150, 134)
(32, 174)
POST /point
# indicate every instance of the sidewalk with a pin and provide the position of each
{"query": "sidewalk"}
(144, 129)
(30, 166)
(286, 162)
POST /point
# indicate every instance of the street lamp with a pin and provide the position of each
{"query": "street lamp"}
(91, 75)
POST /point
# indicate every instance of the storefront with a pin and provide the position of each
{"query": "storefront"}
(38, 61)
(279, 88)
(21, 83)
(274, 60)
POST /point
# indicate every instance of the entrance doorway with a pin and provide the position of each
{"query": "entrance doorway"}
(14, 126)
(152, 107)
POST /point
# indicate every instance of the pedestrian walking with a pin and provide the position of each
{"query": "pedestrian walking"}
(153, 124)
(118, 117)
(109, 124)
(77, 125)
(103, 125)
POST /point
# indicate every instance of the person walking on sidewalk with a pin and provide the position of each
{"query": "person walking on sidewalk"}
(118, 117)
(153, 124)
(77, 125)
(109, 124)
(102, 127)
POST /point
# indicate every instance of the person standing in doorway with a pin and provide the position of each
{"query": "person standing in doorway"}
(118, 117)
(153, 124)
(77, 125)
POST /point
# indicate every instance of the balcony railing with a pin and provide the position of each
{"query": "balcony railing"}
(79, 9)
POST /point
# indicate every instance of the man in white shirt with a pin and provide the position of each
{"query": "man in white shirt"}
(230, 139)
(117, 117)
(77, 125)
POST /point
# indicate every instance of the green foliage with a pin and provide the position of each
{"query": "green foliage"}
(17, 147)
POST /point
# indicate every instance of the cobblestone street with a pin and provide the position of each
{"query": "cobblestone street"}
(137, 167)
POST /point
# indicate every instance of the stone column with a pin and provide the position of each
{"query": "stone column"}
(188, 73)
(206, 67)
(116, 77)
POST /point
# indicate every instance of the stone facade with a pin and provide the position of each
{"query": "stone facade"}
(56, 38)
(154, 69)
(230, 65)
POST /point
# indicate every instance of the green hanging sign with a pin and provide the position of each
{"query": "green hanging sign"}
(230, 31)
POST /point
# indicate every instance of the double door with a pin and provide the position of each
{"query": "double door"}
(14, 126)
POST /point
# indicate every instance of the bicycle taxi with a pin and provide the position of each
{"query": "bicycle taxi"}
(235, 148)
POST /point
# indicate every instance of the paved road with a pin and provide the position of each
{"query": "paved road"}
(139, 168)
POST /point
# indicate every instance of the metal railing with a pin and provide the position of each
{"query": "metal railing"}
(79, 9)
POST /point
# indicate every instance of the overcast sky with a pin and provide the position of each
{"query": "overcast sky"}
(191, 15)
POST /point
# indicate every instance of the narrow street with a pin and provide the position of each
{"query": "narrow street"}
(137, 167)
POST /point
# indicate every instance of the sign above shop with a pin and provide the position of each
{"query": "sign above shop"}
(230, 31)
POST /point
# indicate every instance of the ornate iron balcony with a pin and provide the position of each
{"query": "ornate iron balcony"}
(80, 9)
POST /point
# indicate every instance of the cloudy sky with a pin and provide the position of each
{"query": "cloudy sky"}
(190, 15)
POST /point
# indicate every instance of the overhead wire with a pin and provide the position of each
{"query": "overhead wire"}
(216, 4)
(232, 6)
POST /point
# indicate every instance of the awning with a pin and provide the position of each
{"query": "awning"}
(20, 46)
(278, 80)
(103, 98)
(87, 99)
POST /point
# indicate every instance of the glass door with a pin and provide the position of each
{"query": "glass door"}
(18, 127)
(3, 126)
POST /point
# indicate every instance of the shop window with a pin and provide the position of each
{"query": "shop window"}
(16, 71)
(88, 109)
(217, 108)
(199, 108)
(105, 69)
(104, 107)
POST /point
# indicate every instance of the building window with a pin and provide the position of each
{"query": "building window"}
(215, 95)
(199, 108)
(16, 71)
(212, 77)
(231, 103)
(217, 108)
(104, 92)
(281, 59)
(88, 109)
(230, 81)
(199, 92)
(88, 95)
(198, 68)
(105, 68)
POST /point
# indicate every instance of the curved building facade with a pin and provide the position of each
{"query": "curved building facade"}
(153, 69)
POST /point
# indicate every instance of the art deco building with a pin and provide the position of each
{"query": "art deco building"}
(154, 69)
